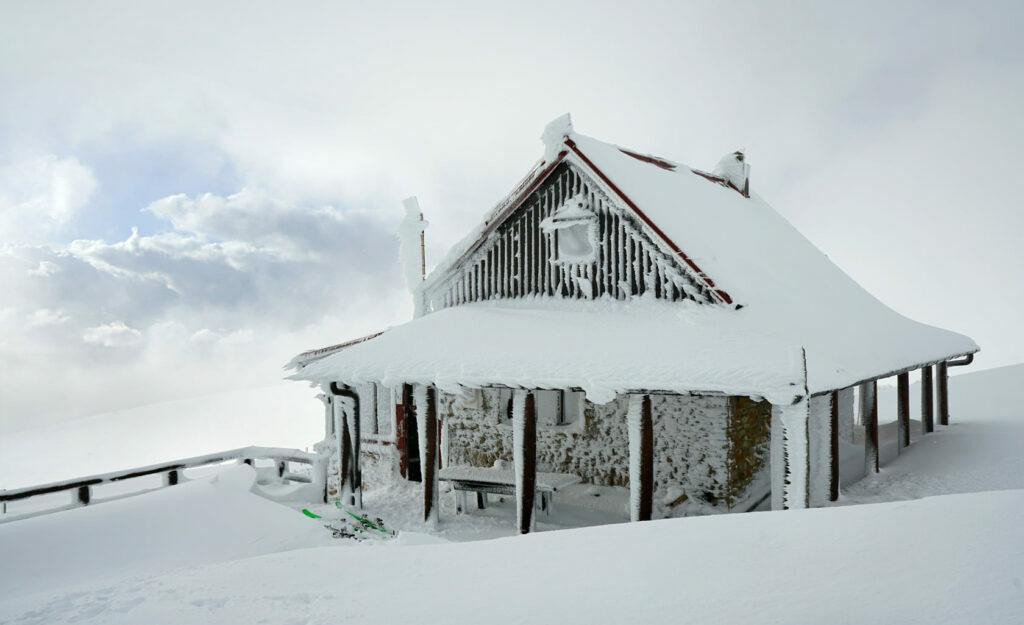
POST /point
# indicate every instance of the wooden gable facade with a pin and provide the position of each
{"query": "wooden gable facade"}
(519, 253)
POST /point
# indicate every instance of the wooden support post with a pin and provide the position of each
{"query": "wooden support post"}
(524, 440)
(428, 454)
(641, 458)
(777, 460)
(869, 416)
(281, 466)
(84, 495)
(795, 422)
(481, 500)
(903, 410)
(833, 443)
(403, 411)
(927, 416)
(171, 478)
(942, 392)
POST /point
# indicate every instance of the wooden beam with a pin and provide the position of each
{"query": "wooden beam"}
(833, 444)
(641, 458)
(903, 409)
(942, 391)
(869, 417)
(927, 415)
(795, 424)
(524, 440)
(428, 455)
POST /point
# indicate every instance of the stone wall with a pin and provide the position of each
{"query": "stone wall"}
(691, 443)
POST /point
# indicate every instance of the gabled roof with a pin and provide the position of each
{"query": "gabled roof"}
(792, 297)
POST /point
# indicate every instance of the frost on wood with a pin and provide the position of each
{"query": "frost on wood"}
(521, 431)
(819, 439)
(410, 248)
(777, 460)
(794, 423)
(634, 420)
(554, 136)
(846, 397)
(429, 487)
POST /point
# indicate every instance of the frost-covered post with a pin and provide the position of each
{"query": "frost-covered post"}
(344, 448)
(927, 418)
(777, 460)
(524, 444)
(641, 458)
(791, 481)
(869, 416)
(833, 444)
(819, 438)
(795, 419)
(427, 430)
(942, 391)
(903, 410)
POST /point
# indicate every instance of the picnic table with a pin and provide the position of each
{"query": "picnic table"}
(500, 481)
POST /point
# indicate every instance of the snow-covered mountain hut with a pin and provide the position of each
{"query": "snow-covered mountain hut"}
(624, 320)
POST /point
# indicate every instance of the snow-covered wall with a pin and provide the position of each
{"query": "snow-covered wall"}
(692, 446)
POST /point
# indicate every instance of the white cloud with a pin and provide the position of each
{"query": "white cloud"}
(114, 334)
(45, 268)
(40, 196)
(46, 317)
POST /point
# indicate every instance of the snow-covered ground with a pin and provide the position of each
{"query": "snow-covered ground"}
(210, 551)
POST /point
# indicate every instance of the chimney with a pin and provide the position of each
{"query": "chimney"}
(734, 169)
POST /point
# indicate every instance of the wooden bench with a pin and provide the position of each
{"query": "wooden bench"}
(485, 480)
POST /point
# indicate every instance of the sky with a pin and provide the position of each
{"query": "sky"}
(193, 192)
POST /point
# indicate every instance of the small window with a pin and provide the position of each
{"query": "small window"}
(554, 408)
(573, 229)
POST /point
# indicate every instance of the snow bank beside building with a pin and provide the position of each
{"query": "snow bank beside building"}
(928, 561)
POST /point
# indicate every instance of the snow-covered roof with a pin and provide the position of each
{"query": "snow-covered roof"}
(789, 296)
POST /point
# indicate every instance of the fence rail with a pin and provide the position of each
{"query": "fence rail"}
(172, 472)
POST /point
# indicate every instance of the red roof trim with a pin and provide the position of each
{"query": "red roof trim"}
(647, 220)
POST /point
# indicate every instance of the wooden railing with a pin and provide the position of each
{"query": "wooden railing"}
(172, 472)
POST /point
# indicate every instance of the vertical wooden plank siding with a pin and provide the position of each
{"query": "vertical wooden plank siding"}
(927, 413)
(833, 443)
(942, 392)
(903, 409)
(870, 417)
(428, 456)
(516, 261)
(524, 435)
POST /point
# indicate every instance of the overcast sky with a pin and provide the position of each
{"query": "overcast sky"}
(190, 193)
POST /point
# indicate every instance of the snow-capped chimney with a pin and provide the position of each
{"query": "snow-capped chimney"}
(411, 250)
(734, 169)
(554, 136)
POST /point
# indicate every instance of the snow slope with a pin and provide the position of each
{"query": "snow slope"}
(941, 559)
(863, 564)
(283, 415)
